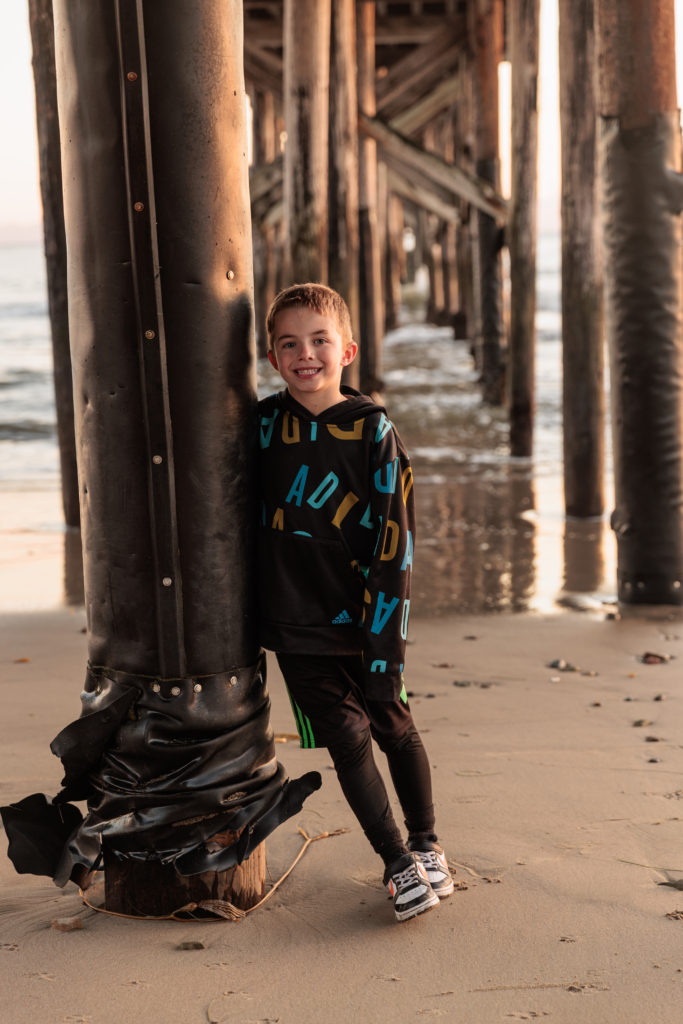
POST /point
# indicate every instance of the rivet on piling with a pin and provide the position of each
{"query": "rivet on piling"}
(197, 687)
(138, 207)
(233, 680)
(157, 460)
(132, 76)
(230, 275)
(640, 585)
(156, 687)
(167, 581)
(676, 584)
(150, 335)
(175, 690)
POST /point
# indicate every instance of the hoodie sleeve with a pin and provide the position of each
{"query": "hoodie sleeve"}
(387, 594)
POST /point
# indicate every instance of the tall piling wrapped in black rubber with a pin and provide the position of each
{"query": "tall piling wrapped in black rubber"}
(173, 745)
(642, 197)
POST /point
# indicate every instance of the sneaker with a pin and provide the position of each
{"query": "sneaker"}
(433, 860)
(407, 881)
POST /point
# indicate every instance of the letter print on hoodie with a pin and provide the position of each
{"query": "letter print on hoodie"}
(337, 534)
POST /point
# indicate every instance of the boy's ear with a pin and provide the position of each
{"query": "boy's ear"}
(272, 359)
(350, 353)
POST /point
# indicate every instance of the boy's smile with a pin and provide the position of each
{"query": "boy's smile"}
(309, 353)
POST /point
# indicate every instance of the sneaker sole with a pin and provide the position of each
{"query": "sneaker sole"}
(445, 890)
(405, 915)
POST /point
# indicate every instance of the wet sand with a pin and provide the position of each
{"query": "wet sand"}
(559, 813)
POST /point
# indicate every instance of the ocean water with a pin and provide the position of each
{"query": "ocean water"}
(492, 532)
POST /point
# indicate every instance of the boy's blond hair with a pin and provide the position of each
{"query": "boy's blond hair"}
(317, 297)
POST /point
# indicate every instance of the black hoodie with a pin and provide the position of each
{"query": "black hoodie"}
(336, 537)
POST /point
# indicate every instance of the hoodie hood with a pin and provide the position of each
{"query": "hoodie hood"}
(352, 408)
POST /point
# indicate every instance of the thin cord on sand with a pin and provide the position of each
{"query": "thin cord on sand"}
(223, 909)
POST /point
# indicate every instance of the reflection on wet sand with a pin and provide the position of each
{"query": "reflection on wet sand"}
(476, 549)
(584, 560)
(491, 530)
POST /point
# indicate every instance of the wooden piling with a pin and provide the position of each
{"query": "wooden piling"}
(371, 304)
(640, 161)
(344, 233)
(49, 160)
(487, 39)
(306, 95)
(523, 29)
(157, 219)
(395, 260)
(264, 234)
(583, 386)
(468, 317)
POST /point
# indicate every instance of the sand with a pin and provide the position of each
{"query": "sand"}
(560, 815)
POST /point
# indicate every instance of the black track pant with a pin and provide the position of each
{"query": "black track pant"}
(331, 710)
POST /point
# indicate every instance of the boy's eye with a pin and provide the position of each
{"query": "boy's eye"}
(320, 341)
(288, 344)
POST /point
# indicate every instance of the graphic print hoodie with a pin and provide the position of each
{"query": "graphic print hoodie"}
(336, 535)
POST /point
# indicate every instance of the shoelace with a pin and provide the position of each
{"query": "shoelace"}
(407, 876)
(430, 859)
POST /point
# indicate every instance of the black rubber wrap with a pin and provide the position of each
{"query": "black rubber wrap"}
(164, 765)
(173, 745)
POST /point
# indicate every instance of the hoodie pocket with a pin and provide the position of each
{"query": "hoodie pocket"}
(306, 581)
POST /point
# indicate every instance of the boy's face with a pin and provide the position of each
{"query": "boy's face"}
(309, 353)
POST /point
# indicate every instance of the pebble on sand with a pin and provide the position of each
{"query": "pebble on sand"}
(67, 924)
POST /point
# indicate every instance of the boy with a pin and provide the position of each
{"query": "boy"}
(335, 550)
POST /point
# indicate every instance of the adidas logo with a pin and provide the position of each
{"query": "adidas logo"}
(342, 619)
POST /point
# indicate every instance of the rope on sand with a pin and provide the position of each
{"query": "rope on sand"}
(221, 909)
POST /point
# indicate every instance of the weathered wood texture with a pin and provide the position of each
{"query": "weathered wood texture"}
(583, 387)
(431, 172)
(642, 190)
(54, 240)
(636, 60)
(266, 148)
(394, 259)
(151, 889)
(523, 33)
(468, 318)
(371, 304)
(343, 274)
(306, 98)
(487, 43)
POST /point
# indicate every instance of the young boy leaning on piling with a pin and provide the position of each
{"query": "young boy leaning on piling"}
(335, 557)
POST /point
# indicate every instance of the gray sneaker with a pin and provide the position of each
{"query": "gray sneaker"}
(433, 860)
(408, 883)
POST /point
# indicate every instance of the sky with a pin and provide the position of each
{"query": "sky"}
(20, 211)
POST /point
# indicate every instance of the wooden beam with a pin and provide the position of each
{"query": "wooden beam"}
(523, 30)
(306, 98)
(264, 177)
(423, 196)
(343, 236)
(478, 192)
(47, 121)
(583, 390)
(371, 305)
(263, 74)
(408, 74)
(419, 114)
(488, 46)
